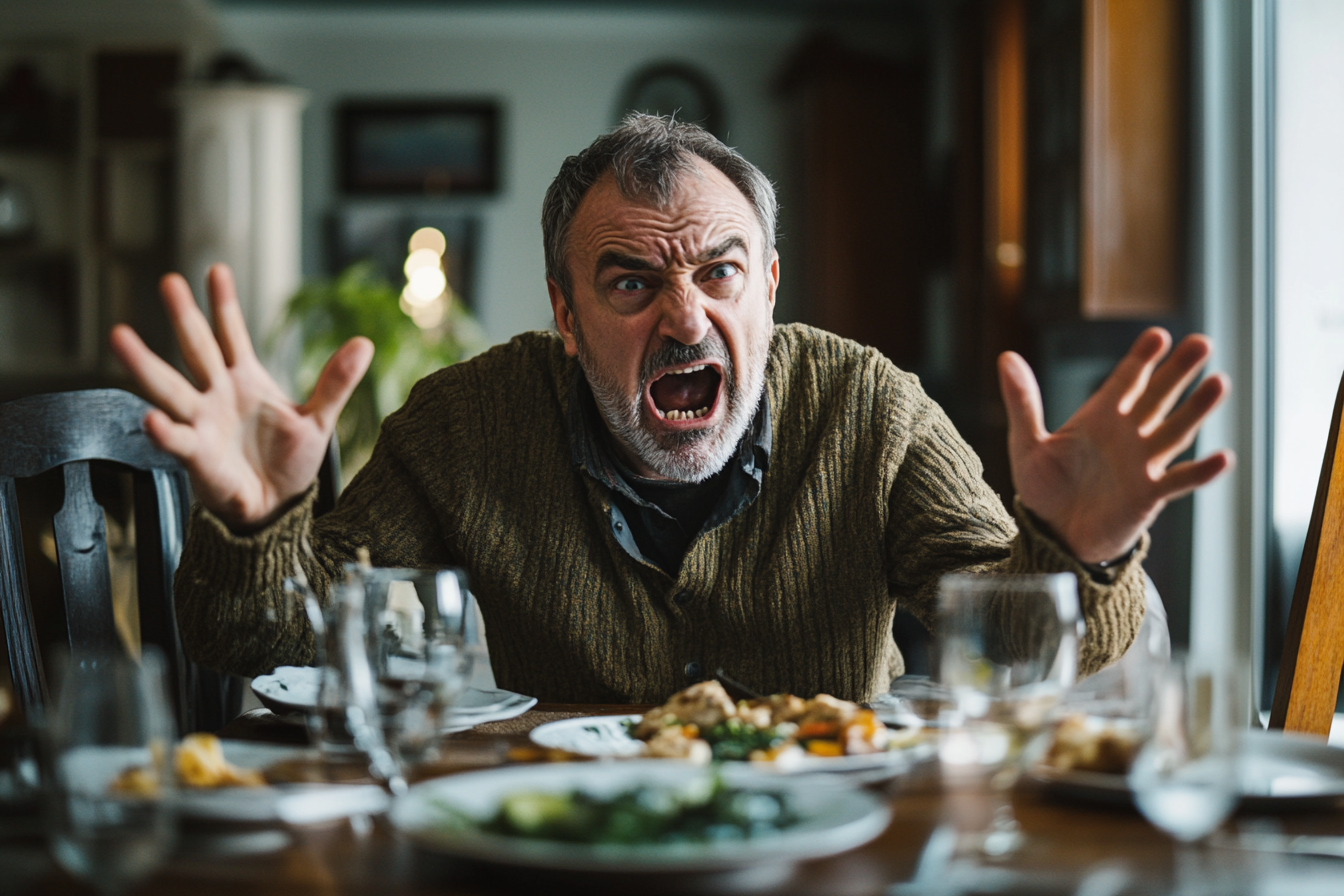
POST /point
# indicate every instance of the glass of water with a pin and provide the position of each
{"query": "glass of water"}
(1009, 652)
(110, 808)
(1185, 777)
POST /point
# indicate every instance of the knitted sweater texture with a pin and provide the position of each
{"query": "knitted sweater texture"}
(870, 497)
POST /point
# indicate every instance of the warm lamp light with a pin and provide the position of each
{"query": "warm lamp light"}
(430, 238)
(420, 259)
(426, 285)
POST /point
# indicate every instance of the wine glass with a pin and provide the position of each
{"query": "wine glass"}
(1009, 646)
(110, 808)
(1185, 777)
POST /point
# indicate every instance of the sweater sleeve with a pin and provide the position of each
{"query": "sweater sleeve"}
(232, 609)
(943, 518)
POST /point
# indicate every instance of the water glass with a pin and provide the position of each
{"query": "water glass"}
(110, 804)
(1009, 652)
(1185, 777)
(392, 652)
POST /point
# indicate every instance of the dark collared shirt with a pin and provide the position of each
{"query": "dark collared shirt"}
(655, 520)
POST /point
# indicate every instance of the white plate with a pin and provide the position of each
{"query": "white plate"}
(1276, 771)
(293, 690)
(834, 816)
(605, 736)
(93, 768)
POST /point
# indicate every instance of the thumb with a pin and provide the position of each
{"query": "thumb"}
(344, 369)
(1022, 399)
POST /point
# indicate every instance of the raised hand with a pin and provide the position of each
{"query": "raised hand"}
(248, 449)
(1104, 476)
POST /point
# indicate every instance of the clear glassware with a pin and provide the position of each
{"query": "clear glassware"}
(1185, 779)
(394, 659)
(110, 806)
(1009, 653)
(416, 625)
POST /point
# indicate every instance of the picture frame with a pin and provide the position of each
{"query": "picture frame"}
(418, 147)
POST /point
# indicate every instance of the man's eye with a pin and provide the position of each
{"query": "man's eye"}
(629, 284)
(722, 271)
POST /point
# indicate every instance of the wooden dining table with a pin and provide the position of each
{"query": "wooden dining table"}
(1070, 847)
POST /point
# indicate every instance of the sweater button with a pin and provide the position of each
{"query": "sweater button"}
(694, 670)
(682, 598)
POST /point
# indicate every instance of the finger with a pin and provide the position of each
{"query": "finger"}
(1022, 399)
(1185, 477)
(1129, 378)
(162, 383)
(1170, 380)
(200, 351)
(1178, 431)
(177, 439)
(230, 326)
(343, 372)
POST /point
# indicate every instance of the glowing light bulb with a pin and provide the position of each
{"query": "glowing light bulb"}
(419, 259)
(425, 285)
(428, 238)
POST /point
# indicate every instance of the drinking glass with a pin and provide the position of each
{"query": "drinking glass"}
(1185, 778)
(416, 625)
(1009, 650)
(394, 662)
(110, 808)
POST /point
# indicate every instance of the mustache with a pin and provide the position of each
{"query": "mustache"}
(678, 354)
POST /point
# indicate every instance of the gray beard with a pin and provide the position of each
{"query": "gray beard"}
(689, 455)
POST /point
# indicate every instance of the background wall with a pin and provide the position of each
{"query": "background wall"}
(557, 78)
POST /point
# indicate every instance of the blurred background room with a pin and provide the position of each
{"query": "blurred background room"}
(957, 178)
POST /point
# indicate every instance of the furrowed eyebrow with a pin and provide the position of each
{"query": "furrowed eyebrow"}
(733, 242)
(625, 262)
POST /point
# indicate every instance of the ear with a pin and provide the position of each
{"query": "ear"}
(564, 317)
(772, 278)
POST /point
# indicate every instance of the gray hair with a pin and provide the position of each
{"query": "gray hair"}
(647, 154)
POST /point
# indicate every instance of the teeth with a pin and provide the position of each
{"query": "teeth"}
(685, 415)
(687, 370)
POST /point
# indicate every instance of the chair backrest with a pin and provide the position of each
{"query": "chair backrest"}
(1313, 646)
(68, 430)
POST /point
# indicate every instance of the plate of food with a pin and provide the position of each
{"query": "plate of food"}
(291, 692)
(225, 780)
(1089, 760)
(781, 733)
(639, 816)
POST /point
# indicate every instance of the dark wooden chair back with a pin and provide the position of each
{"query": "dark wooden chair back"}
(69, 430)
(1313, 647)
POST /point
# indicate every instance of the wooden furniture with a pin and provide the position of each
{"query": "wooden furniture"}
(86, 132)
(1066, 842)
(1135, 58)
(1313, 646)
(73, 431)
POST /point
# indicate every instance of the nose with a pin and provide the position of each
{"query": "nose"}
(683, 316)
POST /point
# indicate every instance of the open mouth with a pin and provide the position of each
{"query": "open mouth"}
(686, 393)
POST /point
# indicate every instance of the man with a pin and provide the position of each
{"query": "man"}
(669, 484)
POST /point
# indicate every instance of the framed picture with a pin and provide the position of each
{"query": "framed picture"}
(418, 148)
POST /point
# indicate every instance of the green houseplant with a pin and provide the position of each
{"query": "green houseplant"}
(361, 302)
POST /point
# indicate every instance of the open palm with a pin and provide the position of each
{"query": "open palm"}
(1104, 476)
(248, 448)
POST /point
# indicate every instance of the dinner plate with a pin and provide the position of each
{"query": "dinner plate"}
(606, 736)
(1276, 772)
(291, 691)
(93, 768)
(834, 816)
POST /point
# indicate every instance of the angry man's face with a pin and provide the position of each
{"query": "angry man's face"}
(671, 320)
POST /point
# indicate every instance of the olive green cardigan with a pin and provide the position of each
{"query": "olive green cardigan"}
(869, 498)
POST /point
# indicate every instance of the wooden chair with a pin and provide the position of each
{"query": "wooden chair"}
(69, 430)
(1313, 647)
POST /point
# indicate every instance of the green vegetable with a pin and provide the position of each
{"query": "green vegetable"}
(643, 815)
